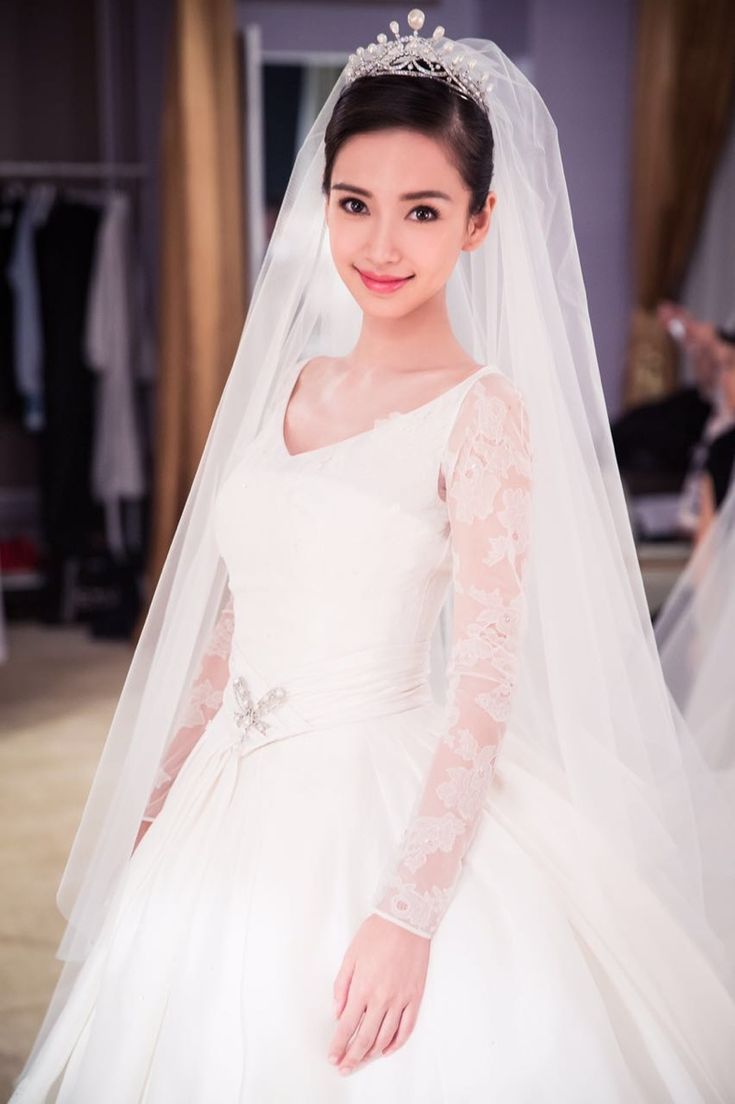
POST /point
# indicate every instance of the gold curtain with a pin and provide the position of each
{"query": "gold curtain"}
(683, 100)
(202, 282)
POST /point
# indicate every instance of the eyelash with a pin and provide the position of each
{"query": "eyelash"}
(420, 207)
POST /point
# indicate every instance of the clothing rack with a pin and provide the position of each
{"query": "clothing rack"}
(18, 500)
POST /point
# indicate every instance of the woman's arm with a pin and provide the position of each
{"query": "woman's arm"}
(487, 477)
(203, 702)
(488, 492)
(707, 507)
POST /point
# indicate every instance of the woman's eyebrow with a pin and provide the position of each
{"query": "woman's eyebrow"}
(427, 194)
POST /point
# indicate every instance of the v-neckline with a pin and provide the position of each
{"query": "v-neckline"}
(377, 422)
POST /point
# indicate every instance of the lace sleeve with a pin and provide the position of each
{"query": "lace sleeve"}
(487, 483)
(203, 701)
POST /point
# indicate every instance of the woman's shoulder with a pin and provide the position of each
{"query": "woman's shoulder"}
(491, 391)
(312, 370)
(491, 410)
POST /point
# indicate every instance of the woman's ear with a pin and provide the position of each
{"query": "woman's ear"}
(480, 223)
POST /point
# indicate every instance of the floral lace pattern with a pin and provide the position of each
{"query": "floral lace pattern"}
(487, 488)
(203, 701)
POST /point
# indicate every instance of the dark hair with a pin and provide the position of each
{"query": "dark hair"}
(425, 104)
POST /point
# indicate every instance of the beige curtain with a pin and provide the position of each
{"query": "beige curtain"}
(202, 290)
(684, 96)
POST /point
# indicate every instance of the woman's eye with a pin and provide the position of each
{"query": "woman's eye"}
(432, 211)
(350, 199)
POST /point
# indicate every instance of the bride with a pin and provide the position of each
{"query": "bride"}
(394, 788)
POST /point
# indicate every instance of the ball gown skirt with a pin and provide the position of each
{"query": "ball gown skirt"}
(211, 981)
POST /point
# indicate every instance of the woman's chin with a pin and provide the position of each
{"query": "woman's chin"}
(381, 307)
(384, 304)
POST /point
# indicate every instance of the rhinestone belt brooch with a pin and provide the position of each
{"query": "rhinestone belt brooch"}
(249, 714)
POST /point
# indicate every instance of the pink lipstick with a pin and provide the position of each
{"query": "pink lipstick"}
(382, 283)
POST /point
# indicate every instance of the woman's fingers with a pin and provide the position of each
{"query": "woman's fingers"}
(347, 1025)
(365, 1036)
(386, 1033)
(405, 1027)
(342, 983)
(398, 1023)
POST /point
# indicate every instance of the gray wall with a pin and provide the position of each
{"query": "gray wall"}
(583, 55)
(328, 25)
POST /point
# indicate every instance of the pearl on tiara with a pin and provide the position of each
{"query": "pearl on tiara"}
(415, 19)
(413, 56)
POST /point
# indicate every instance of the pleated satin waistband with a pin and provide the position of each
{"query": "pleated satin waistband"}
(355, 686)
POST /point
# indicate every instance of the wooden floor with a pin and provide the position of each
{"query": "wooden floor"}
(58, 692)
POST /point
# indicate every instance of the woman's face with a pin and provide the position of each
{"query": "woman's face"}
(397, 208)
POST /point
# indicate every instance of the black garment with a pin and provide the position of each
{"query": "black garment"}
(654, 442)
(11, 400)
(65, 246)
(720, 463)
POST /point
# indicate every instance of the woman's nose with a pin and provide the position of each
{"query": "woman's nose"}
(382, 247)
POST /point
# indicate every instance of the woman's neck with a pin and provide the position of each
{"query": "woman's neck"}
(421, 340)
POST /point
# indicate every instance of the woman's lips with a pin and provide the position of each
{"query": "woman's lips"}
(383, 284)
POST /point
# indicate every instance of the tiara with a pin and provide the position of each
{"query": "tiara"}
(412, 56)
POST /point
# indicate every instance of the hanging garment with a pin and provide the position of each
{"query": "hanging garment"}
(65, 246)
(11, 400)
(23, 276)
(112, 345)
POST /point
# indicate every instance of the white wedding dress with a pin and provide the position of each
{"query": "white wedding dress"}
(348, 790)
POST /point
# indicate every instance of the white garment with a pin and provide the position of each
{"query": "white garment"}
(211, 979)
(112, 345)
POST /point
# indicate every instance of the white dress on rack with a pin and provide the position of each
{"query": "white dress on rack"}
(347, 790)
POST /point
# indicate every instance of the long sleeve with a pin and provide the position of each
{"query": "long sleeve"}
(487, 481)
(203, 701)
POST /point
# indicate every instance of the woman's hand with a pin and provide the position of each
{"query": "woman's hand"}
(379, 987)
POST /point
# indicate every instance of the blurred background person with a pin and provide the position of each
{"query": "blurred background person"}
(718, 462)
(666, 442)
(695, 634)
(695, 628)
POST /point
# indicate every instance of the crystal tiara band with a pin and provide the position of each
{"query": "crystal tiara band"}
(412, 56)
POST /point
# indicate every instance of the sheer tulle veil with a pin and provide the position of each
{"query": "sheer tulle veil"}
(639, 807)
(695, 631)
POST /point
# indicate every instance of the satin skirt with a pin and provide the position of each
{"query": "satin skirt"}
(211, 980)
